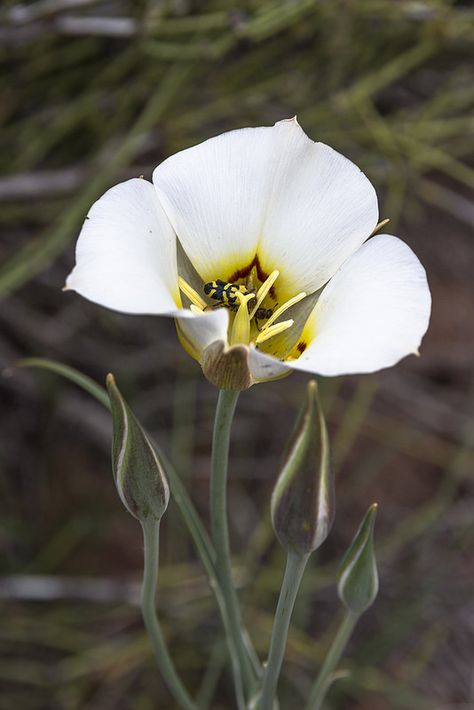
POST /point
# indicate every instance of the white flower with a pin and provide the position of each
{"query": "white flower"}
(256, 242)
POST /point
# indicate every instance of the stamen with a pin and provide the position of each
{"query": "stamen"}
(241, 324)
(193, 295)
(279, 311)
(195, 309)
(273, 330)
(263, 291)
(379, 226)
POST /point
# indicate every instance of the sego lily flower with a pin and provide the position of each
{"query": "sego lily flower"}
(256, 242)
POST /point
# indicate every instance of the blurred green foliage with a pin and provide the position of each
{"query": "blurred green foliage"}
(91, 88)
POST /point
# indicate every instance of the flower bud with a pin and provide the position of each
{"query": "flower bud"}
(138, 472)
(358, 578)
(303, 502)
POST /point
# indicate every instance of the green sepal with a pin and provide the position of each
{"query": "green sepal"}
(138, 472)
(358, 578)
(303, 500)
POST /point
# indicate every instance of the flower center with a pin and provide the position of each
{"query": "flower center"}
(254, 318)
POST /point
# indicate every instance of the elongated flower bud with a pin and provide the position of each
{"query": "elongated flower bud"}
(303, 502)
(139, 475)
(358, 577)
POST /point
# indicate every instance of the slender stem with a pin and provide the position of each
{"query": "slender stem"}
(295, 566)
(220, 533)
(210, 678)
(181, 497)
(324, 679)
(151, 530)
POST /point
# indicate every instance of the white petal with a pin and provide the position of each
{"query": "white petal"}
(126, 252)
(265, 367)
(300, 206)
(203, 329)
(215, 195)
(321, 209)
(374, 311)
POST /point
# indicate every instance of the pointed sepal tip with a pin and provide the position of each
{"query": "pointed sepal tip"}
(358, 577)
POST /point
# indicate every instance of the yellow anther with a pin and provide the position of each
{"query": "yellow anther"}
(195, 309)
(273, 330)
(379, 226)
(263, 291)
(241, 324)
(193, 295)
(279, 311)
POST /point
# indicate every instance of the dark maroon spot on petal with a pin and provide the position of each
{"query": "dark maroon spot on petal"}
(245, 271)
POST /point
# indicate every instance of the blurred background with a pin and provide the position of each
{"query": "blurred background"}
(95, 91)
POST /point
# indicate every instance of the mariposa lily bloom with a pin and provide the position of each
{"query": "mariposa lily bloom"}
(257, 243)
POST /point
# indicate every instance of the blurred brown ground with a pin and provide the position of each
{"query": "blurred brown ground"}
(89, 97)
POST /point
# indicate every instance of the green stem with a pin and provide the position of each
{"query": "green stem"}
(324, 679)
(151, 530)
(295, 566)
(220, 533)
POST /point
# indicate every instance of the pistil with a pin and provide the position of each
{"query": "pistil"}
(241, 324)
